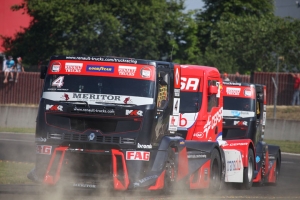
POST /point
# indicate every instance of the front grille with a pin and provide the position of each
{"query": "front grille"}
(104, 125)
(84, 138)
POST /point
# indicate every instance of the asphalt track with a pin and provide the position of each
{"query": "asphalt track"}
(21, 148)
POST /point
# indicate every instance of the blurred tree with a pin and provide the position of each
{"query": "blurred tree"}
(218, 13)
(256, 43)
(148, 29)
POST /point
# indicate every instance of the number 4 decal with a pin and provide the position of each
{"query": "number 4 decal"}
(59, 82)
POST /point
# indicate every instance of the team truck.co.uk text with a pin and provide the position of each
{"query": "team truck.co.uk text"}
(112, 122)
(234, 115)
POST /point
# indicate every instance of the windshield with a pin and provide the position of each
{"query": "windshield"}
(99, 85)
(190, 102)
(240, 104)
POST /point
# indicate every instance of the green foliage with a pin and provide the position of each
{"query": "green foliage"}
(232, 35)
(146, 29)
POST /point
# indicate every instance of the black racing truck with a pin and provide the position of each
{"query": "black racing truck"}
(112, 122)
(244, 117)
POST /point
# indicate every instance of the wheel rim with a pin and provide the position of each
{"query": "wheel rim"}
(250, 169)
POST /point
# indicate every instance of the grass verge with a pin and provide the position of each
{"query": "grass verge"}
(18, 130)
(286, 146)
(14, 172)
(284, 112)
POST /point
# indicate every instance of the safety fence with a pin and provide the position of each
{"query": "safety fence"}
(29, 87)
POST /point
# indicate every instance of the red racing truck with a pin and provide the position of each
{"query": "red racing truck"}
(113, 122)
(215, 116)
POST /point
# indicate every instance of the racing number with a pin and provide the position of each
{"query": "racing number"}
(59, 82)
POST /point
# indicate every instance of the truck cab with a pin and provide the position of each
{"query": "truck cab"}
(244, 113)
(108, 118)
(244, 117)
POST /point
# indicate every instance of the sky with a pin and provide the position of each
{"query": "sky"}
(193, 4)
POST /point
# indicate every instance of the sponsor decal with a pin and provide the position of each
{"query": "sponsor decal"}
(43, 149)
(235, 113)
(187, 119)
(238, 113)
(264, 118)
(232, 83)
(176, 104)
(134, 112)
(177, 83)
(127, 100)
(84, 185)
(213, 121)
(92, 136)
(198, 135)
(233, 91)
(181, 142)
(144, 146)
(59, 82)
(177, 92)
(73, 67)
(56, 67)
(94, 110)
(247, 92)
(146, 72)
(189, 83)
(238, 144)
(147, 178)
(54, 107)
(234, 165)
(127, 70)
(271, 157)
(96, 99)
(138, 155)
(257, 159)
(104, 97)
(196, 156)
(240, 123)
(95, 68)
(40, 139)
(105, 59)
(173, 122)
(65, 96)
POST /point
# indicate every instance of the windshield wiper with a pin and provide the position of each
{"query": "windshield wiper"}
(115, 104)
(76, 102)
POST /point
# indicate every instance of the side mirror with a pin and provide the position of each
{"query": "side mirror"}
(43, 71)
(212, 89)
(260, 98)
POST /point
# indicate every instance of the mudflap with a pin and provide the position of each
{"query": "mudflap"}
(58, 163)
(268, 162)
(236, 158)
(234, 166)
(274, 164)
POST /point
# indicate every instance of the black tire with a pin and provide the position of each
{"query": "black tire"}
(248, 171)
(171, 173)
(215, 171)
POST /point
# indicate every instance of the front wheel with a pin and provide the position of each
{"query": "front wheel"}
(215, 171)
(248, 171)
(171, 172)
